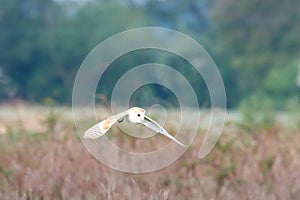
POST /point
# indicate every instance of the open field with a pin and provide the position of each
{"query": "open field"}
(42, 158)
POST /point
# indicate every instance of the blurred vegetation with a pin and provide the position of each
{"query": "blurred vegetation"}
(41, 159)
(257, 113)
(255, 44)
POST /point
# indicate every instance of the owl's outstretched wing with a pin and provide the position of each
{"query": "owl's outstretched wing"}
(102, 127)
(150, 123)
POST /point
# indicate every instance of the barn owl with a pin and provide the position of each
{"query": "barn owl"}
(134, 115)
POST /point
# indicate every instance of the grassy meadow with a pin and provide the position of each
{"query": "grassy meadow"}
(42, 158)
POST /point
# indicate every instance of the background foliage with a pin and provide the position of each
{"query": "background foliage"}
(255, 44)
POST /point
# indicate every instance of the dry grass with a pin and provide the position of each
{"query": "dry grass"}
(41, 158)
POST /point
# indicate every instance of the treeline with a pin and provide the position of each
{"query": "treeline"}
(255, 44)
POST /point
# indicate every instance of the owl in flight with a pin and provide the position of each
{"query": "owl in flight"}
(134, 115)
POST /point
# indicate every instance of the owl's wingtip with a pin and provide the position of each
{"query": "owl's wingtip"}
(88, 136)
(181, 144)
(92, 134)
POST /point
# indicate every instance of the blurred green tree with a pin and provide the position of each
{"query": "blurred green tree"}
(256, 40)
(44, 42)
(23, 24)
(255, 44)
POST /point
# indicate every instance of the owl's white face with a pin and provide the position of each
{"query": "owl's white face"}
(136, 115)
